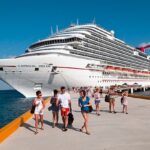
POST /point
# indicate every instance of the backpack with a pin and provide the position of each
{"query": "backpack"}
(107, 98)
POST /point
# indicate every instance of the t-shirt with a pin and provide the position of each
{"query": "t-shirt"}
(82, 103)
(53, 101)
(39, 104)
(64, 100)
(97, 96)
(125, 101)
(112, 94)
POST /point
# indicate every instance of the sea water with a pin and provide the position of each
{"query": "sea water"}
(12, 105)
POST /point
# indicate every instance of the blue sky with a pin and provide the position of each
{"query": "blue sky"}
(23, 22)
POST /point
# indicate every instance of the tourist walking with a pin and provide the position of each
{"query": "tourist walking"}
(97, 96)
(65, 102)
(125, 102)
(55, 108)
(39, 108)
(84, 103)
(112, 95)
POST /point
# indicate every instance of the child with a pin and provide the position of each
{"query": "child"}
(125, 102)
(39, 107)
(55, 108)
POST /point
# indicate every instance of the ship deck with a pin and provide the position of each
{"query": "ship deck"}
(108, 131)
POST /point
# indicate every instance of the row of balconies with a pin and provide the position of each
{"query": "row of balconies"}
(107, 58)
(113, 53)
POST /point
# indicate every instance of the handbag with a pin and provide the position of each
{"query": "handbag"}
(70, 118)
(122, 99)
(50, 108)
(90, 108)
(107, 98)
(32, 109)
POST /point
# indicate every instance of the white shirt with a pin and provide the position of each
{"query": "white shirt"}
(39, 106)
(64, 99)
(97, 96)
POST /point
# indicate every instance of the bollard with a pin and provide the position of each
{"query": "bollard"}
(131, 90)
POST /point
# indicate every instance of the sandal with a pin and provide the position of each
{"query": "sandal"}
(65, 129)
(53, 125)
(81, 130)
(42, 128)
(88, 133)
(36, 132)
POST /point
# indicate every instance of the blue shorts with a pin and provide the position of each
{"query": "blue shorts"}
(55, 108)
(84, 111)
(97, 102)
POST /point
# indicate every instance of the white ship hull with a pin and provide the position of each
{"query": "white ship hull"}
(70, 72)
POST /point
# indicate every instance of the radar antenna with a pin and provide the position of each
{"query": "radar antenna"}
(52, 30)
(57, 29)
(94, 21)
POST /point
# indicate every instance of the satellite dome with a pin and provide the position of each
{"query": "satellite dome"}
(112, 32)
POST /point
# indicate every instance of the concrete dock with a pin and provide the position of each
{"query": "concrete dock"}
(108, 131)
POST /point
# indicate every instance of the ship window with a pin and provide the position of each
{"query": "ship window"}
(36, 69)
(1, 68)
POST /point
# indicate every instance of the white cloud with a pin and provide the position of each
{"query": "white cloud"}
(144, 44)
(7, 56)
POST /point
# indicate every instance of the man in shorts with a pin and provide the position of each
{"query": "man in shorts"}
(65, 101)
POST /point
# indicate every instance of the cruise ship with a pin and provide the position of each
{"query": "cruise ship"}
(78, 56)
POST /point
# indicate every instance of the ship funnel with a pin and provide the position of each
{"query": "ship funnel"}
(142, 48)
